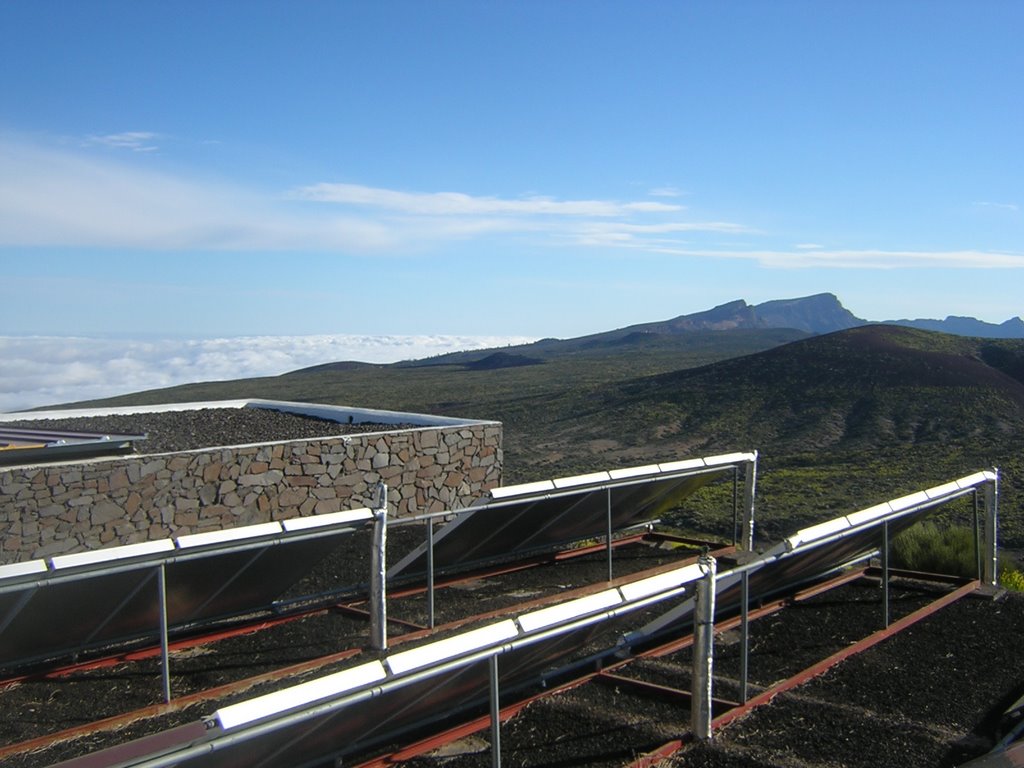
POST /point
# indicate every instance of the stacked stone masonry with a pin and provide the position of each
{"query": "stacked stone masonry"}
(73, 507)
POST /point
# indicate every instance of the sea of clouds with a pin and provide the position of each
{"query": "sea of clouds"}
(47, 370)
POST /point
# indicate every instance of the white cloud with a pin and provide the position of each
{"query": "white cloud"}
(136, 141)
(57, 197)
(809, 246)
(666, 191)
(457, 203)
(1000, 206)
(40, 371)
(866, 259)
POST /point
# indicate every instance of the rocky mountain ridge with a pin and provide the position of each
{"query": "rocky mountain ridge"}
(821, 313)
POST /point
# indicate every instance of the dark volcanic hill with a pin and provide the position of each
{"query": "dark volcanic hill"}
(865, 387)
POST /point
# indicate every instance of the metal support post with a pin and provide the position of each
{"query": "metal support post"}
(430, 573)
(495, 713)
(165, 662)
(744, 634)
(735, 505)
(885, 574)
(977, 536)
(703, 650)
(608, 534)
(378, 567)
(749, 490)
(991, 564)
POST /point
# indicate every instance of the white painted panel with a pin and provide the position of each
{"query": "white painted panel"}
(452, 647)
(555, 614)
(300, 695)
(228, 534)
(112, 553)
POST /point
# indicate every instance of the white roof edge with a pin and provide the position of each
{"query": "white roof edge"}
(116, 410)
(374, 415)
(228, 534)
(321, 521)
(337, 413)
(108, 554)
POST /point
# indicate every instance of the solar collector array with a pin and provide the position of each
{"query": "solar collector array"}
(516, 520)
(308, 723)
(72, 603)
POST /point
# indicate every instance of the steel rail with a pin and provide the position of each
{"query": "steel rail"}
(117, 721)
(724, 711)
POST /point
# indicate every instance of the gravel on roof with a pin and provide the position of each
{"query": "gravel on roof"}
(169, 431)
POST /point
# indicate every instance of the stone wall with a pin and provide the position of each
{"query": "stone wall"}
(70, 507)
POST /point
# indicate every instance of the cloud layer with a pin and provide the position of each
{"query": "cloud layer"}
(39, 371)
(85, 198)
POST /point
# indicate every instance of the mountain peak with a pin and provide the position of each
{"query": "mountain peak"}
(821, 313)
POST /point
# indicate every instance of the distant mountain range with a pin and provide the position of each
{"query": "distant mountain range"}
(822, 313)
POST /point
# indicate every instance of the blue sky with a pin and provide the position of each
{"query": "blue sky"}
(219, 169)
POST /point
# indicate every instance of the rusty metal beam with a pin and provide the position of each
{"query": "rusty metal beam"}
(826, 664)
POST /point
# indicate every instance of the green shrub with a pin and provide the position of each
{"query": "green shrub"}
(931, 548)
(927, 547)
(1012, 579)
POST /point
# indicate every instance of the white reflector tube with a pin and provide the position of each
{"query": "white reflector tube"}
(574, 609)
(976, 479)
(524, 489)
(228, 534)
(452, 647)
(299, 695)
(663, 582)
(679, 466)
(728, 458)
(940, 491)
(112, 553)
(27, 568)
(868, 515)
(322, 521)
(906, 502)
(628, 472)
(815, 532)
(591, 479)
